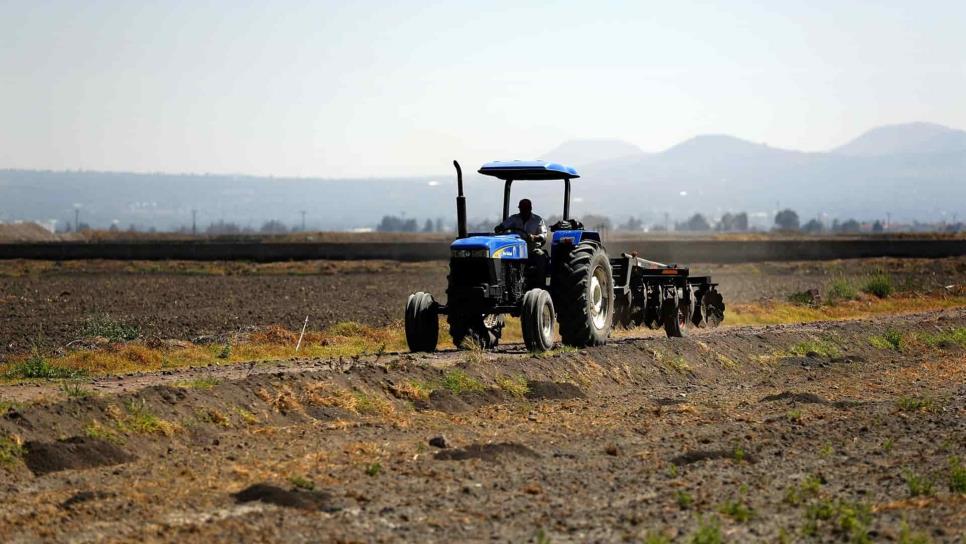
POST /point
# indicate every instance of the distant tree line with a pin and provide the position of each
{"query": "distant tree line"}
(392, 223)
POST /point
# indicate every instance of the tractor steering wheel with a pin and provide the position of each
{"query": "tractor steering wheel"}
(523, 233)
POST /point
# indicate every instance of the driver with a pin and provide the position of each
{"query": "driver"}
(526, 222)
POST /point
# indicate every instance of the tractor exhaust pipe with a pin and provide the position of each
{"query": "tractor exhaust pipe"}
(460, 203)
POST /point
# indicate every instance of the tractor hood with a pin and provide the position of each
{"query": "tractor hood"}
(496, 246)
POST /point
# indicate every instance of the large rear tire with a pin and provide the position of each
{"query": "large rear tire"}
(584, 295)
(537, 317)
(422, 322)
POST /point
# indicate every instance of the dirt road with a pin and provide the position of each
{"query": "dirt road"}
(830, 432)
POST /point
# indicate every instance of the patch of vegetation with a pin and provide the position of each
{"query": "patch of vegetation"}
(412, 390)
(807, 489)
(197, 383)
(738, 454)
(75, 391)
(794, 416)
(225, 352)
(736, 510)
(516, 386)
(919, 486)
(11, 450)
(96, 430)
(890, 339)
(684, 499)
(106, 327)
(141, 420)
(842, 518)
(373, 469)
(726, 361)
(678, 364)
(839, 290)
(38, 368)
(907, 536)
(815, 348)
(887, 445)
(957, 475)
(366, 404)
(879, 285)
(708, 532)
(656, 538)
(913, 404)
(301, 482)
(945, 339)
(826, 450)
(802, 298)
(459, 382)
(246, 416)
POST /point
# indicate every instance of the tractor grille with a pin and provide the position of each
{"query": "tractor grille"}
(470, 272)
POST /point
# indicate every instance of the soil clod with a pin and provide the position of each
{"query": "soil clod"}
(295, 498)
(711, 455)
(73, 453)
(487, 452)
(544, 390)
(439, 442)
(805, 398)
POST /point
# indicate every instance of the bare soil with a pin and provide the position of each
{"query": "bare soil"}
(744, 429)
(48, 304)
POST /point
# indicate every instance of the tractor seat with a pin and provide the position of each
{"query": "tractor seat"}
(567, 224)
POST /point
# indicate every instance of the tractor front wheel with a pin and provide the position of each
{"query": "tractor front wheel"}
(584, 295)
(422, 322)
(536, 319)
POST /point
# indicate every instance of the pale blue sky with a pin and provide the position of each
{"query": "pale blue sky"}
(401, 88)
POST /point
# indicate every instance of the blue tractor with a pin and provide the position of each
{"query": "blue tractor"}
(575, 285)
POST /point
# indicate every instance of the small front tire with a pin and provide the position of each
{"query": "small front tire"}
(537, 318)
(422, 322)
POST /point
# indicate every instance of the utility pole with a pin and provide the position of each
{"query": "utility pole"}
(303, 220)
(76, 217)
(194, 222)
(888, 220)
(667, 222)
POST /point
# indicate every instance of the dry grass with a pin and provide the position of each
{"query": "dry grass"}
(775, 313)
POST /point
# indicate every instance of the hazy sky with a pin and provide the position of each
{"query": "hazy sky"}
(399, 88)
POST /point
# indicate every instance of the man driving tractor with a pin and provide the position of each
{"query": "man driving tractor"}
(526, 222)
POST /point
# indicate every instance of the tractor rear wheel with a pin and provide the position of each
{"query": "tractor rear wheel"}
(584, 292)
(537, 317)
(422, 322)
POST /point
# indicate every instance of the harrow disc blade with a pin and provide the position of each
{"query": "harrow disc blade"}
(714, 308)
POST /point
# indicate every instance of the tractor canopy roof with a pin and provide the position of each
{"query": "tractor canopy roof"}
(525, 170)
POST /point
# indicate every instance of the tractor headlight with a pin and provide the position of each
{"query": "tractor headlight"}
(467, 253)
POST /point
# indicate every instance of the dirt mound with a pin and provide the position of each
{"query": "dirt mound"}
(542, 390)
(805, 398)
(711, 455)
(77, 452)
(295, 498)
(25, 232)
(443, 400)
(487, 452)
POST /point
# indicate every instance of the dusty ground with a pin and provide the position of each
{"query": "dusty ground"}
(823, 432)
(49, 303)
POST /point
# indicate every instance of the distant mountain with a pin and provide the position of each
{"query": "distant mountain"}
(911, 138)
(915, 171)
(581, 152)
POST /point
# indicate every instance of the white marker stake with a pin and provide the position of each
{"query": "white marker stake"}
(299, 344)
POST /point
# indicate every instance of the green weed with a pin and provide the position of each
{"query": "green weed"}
(957, 475)
(113, 330)
(708, 532)
(516, 386)
(684, 499)
(839, 290)
(879, 285)
(302, 482)
(919, 486)
(373, 469)
(844, 518)
(891, 339)
(945, 339)
(913, 404)
(459, 382)
(815, 348)
(75, 391)
(37, 367)
(11, 450)
(907, 536)
(736, 510)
